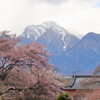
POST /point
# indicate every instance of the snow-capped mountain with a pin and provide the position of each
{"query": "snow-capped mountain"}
(52, 35)
(68, 52)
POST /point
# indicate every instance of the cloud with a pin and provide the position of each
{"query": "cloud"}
(54, 2)
(79, 15)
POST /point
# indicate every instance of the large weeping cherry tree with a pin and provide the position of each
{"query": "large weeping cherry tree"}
(26, 72)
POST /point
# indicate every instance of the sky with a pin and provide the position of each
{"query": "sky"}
(77, 16)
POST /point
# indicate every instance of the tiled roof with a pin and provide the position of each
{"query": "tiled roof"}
(76, 82)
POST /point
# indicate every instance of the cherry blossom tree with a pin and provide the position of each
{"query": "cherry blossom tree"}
(26, 71)
(13, 56)
(7, 47)
(95, 95)
(34, 83)
(94, 83)
(97, 70)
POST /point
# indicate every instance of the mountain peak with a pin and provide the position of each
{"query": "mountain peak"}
(50, 24)
(91, 33)
(92, 36)
(50, 34)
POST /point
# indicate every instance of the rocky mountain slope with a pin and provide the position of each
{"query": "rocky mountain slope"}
(83, 56)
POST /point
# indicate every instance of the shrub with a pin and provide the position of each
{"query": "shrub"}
(62, 96)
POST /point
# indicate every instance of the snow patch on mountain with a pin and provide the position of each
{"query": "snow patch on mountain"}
(33, 30)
